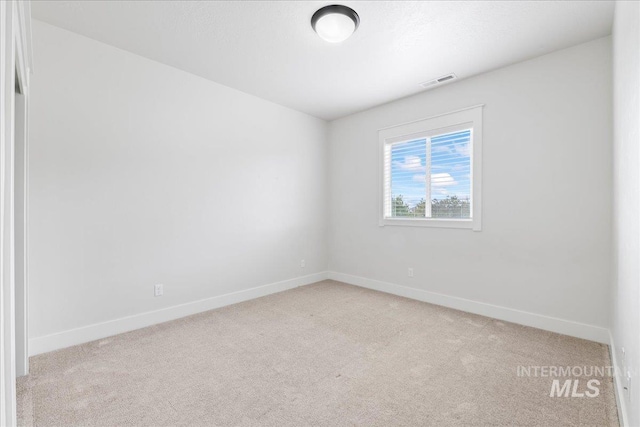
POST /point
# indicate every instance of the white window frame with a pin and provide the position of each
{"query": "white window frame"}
(466, 118)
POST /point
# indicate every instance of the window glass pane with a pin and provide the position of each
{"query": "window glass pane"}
(408, 184)
(451, 175)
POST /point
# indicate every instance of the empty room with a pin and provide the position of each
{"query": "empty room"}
(308, 213)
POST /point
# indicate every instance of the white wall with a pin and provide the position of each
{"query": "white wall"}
(144, 174)
(625, 323)
(545, 243)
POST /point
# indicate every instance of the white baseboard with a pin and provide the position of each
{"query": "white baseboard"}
(98, 331)
(553, 324)
(618, 379)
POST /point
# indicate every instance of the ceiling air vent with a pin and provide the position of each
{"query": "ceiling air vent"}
(431, 83)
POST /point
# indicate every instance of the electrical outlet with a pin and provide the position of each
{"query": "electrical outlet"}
(410, 272)
(158, 291)
(303, 264)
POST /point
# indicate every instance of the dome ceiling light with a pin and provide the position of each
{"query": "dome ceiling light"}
(335, 23)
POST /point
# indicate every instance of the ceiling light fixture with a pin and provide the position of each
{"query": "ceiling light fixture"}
(335, 23)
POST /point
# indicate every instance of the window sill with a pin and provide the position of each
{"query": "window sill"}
(469, 224)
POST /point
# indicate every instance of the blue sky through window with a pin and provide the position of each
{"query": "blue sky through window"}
(450, 168)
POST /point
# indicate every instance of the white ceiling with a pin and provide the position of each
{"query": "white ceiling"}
(268, 49)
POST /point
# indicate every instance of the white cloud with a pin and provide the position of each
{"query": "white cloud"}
(459, 167)
(411, 163)
(440, 149)
(437, 179)
(442, 180)
(463, 150)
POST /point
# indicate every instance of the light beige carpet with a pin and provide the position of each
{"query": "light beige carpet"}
(327, 354)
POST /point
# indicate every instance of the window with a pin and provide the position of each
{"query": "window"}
(431, 171)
